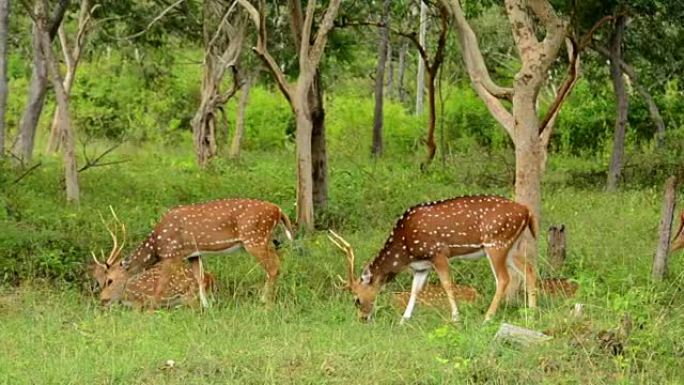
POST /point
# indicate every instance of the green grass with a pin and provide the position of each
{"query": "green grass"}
(53, 332)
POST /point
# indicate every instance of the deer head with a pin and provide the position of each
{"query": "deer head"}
(109, 274)
(364, 289)
(678, 240)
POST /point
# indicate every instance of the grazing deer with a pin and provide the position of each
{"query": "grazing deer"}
(187, 232)
(678, 240)
(429, 234)
(181, 288)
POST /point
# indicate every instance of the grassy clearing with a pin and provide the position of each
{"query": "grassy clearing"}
(56, 334)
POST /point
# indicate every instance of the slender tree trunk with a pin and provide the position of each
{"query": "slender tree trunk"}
(432, 120)
(70, 169)
(236, 144)
(383, 41)
(655, 115)
(4, 88)
(71, 65)
(403, 48)
(617, 157)
(319, 153)
(420, 81)
(665, 230)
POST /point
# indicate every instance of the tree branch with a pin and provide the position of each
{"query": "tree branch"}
(155, 20)
(322, 34)
(261, 50)
(564, 91)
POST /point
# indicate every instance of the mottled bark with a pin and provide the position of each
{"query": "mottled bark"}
(383, 42)
(420, 75)
(622, 100)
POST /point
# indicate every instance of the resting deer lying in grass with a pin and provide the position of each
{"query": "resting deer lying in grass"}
(430, 234)
(180, 289)
(187, 232)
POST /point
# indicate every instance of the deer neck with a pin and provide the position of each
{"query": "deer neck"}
(144, 255)
(390, 261)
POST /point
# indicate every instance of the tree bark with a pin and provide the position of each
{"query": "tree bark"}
(420, 77)
(4, 88)
(383, 42)
(65, 129)
(236, 144)
(24, 144)
(305, 207)
(665, 230)
(390, 71)
(319, 153)
(403, 48)
(556, 251)
(622, 99)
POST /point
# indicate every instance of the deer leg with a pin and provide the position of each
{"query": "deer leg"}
(419, 278)
(270, 261)
(198, 273)
(162, 284)
(441, 263)
(498, 261)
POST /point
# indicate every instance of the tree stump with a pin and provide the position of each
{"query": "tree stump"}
(557, 251)
(665, 230)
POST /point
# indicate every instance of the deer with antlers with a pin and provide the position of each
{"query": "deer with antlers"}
(428, 235)
(187, 232)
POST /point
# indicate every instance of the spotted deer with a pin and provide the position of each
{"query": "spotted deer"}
(678, 240)
(430, 234)
(187, 232)
(180, 289)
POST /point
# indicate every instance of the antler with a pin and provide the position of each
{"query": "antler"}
(340, 242)
(116, 249)
(97, 261)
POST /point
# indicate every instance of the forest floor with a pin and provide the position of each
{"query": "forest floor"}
(52, 330)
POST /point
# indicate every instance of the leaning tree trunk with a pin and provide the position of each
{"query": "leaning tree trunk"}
(23, 146)
(383, 41)
(236, 143)
(319, 153)
(617, 157)
(4, 90)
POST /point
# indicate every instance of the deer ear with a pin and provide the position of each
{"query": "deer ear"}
(366, 276)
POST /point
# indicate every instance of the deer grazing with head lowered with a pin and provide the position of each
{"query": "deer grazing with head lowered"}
(187, 232)
(428, 235)
(181, 288)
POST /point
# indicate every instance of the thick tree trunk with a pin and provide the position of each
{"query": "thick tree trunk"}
(402, 70)
(305, 208)
(665, 230)
(420, 80)
(4, 89)
(383, 41)
(236, 144)
(319, 153)
(617, 157)
(204, 122)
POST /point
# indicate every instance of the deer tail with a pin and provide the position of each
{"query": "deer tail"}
(287, 224)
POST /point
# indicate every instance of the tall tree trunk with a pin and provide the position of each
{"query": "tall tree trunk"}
(319, 153)
(236, 144)
(420, 80)
(432, 121)
(4, 89)
(617, 157)
(24, 143)
(403, 48)
(65, 129)
(383, 41)
(204, 122)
